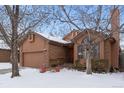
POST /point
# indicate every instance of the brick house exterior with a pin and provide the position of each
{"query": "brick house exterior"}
(103, 47)
(4, 52)
(4, 55)
(38, 49)
(108, 47)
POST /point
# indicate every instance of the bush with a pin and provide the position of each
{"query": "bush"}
(56, 62)
(78, 66)
(100, 65)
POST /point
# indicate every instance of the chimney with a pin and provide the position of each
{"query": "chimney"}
(115, 23)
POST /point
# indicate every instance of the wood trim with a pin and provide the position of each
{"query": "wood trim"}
(35, 51)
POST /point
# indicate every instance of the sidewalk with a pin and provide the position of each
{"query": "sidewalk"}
(4, 71)
(6, 68)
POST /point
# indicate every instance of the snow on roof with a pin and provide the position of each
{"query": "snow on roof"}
(3, 45)
(53, 38)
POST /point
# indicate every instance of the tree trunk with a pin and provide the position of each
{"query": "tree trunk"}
(14, 43)
(14, 61)
(88, 62)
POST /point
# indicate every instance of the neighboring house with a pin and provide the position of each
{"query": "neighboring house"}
(38, 49)
(4, 52)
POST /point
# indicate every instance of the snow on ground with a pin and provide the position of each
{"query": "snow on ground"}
(63, 79)
(5, 65)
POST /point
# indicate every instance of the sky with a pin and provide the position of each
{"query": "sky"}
(57, 28)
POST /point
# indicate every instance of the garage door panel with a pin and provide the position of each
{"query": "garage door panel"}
(34, 59)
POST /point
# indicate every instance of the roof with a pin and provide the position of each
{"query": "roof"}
(73, 31)
(53, 38)
(84, 32)
(3, 45)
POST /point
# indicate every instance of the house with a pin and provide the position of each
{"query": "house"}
(106, 48)
(38, 49)
(4, 52)
(103, 49)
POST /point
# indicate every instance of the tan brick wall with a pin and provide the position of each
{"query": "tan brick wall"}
(71, 35)
(35, 53)
(39, 44)
(107, 52)
(4, 55)
(75, 53)
(57, 52)
(115, 24)
(102, 49)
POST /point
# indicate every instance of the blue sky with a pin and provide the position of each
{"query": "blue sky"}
(56, 26)
(59, 28)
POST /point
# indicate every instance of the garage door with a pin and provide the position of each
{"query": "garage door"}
(4, 55)
(34, 59)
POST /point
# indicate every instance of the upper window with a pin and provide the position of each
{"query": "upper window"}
(86, 40)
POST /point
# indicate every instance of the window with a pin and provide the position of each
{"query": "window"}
(80, 51)
(86, 40)
(96, 51)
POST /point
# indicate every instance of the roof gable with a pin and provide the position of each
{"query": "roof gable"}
(87, 31)
(51, 38)
(71, 35)
(46, 37)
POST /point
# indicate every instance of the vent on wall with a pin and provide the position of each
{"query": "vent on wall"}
(31, 38)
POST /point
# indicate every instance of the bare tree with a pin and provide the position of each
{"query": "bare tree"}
(15, 22)
(95, 18)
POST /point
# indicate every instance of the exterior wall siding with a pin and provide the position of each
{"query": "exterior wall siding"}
(35, 52)
(115, 55)
(57, 53)
(115, 24)
(71, 35)
(102, 50)
(75, 53)
(107, 52)
(4, 55)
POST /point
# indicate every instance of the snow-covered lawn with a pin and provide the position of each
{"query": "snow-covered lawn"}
(5, 65)
(65, 79)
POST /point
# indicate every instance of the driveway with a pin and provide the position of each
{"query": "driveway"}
(6, 68)
(4, 71)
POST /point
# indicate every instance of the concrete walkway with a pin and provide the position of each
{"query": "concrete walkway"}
(4, 71)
